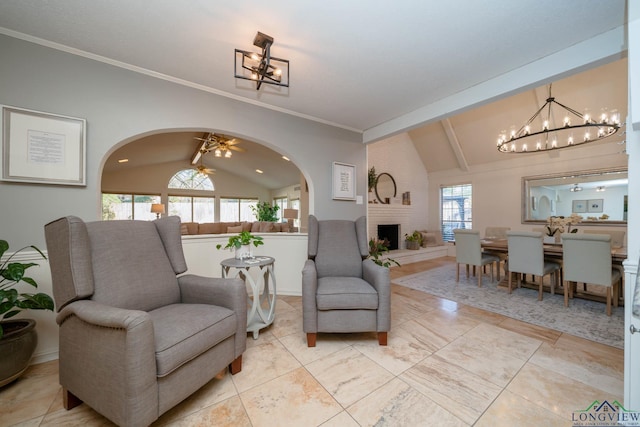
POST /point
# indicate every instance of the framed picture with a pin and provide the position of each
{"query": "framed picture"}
(595, 205)
(579, 206)
(42, 148)
(344, 181)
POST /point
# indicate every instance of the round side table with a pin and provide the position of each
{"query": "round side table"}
(261, 302)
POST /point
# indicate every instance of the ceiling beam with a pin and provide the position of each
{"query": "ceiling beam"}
(599, 50)
(455, 144)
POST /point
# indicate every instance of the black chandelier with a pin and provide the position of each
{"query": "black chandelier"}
(547, 138)
(261, 67)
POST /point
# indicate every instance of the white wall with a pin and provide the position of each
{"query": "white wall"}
(398, 157)
(120, 105)
(497, 187)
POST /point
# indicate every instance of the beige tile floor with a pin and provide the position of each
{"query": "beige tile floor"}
(445, 365)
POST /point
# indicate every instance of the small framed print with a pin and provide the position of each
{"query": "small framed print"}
(595, 205)
(579, 206)
(344, 181)
(42, 148)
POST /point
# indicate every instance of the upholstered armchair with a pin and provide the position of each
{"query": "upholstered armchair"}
(136, 337)
(342, 291)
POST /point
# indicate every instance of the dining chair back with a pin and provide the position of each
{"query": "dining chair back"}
(587, 259)
(526, 256)
(617, 236)
(469, 252)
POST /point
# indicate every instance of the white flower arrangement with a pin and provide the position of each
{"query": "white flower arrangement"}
(557, 224)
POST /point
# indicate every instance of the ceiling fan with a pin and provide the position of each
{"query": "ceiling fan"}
(202, 169)
(218, 144)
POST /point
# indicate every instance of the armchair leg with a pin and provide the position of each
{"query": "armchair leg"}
(382, 338)
(311, 339)
(69, 400)
(236, 365)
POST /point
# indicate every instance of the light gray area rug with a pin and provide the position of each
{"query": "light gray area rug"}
(583, 318)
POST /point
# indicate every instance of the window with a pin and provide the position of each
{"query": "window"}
(237, 209)
(295, 204)
(192, 208)
(191, 179)
(282, 203)
(128, 206)
(455, 209)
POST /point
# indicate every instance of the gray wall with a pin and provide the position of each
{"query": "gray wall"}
(120, 105)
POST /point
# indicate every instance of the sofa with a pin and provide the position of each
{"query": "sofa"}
(190, 228)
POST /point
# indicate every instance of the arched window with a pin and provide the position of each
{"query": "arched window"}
(191, 179)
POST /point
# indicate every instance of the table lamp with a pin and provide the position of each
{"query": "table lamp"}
(157, 208)
(290, 215)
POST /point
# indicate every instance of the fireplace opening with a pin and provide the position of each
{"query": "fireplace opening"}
(391, 233)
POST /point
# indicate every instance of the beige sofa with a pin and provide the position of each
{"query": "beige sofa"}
(233, 227)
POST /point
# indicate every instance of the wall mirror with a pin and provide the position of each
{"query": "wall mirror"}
(599, 196)
(385, 188)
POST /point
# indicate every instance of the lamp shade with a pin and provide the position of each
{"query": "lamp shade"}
(290, 214)
(157, 208)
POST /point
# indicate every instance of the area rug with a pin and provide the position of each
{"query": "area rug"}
(583, 318)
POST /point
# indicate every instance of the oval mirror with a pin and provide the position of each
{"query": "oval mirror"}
(385, 188)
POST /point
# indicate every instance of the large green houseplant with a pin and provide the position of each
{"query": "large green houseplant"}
(18, 337)
(265, 211)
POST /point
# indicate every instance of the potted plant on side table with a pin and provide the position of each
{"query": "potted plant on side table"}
(18, 337)
(242, 244)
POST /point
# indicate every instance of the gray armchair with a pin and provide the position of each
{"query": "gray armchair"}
(135, 339)
(342, 291)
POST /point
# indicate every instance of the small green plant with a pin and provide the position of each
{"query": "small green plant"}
(415, 237)
(265, 212)
(377, 248)
(11, 274)
(239, 240)
(372, 177)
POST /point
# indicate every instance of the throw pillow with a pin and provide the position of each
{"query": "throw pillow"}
(235, 229)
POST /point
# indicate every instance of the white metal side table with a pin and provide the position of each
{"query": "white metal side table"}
(261, 302)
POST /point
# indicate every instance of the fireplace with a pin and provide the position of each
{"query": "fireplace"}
(390, 232)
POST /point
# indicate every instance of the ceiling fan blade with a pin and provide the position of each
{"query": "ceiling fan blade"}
(238, 149)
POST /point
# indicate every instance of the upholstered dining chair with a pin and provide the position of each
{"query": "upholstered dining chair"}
(496, 232)
(526, 256)
(469, 252)
(342, 290)
(136, 335)
(587, 259)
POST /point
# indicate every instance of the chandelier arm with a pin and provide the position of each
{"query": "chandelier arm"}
(531, 119)
(569, 109)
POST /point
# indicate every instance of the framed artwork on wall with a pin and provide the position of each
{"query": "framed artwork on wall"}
(42, 148)
(595, 205)
(344, 181)
(579, 206)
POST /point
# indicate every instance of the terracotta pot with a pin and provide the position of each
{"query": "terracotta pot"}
(16, 348)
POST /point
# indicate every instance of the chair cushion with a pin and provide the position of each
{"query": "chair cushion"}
(345, 293)
(184, 331)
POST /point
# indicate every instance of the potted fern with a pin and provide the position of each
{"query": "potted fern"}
(242, 244)
(18, 337)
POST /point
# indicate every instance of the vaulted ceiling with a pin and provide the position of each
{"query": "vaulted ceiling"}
(363, 65)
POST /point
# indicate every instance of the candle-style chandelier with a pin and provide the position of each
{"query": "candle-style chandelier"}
(576, 129)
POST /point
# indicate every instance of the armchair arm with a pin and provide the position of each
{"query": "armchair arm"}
(309, 290)
(107, 359)
(378, 277)
(228, 293)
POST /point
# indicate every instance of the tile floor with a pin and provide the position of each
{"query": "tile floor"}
(445, 365)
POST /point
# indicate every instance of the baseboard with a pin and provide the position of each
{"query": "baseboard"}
(44, 357)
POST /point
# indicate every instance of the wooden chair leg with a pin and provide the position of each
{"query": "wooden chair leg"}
(479, 276)
(69, 400)
(311, 339)
(566, 294)
(457, 272)
(609, 301)
(382, 338)
(236, 365)
(616, 294)
(540, 288)
(509, 275)
(498, 270)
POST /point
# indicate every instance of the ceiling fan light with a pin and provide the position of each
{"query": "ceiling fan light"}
(217, 153)
(227, 154)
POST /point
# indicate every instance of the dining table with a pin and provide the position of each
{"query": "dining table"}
(554, 250)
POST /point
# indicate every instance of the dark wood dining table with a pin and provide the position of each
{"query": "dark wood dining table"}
(554, 250)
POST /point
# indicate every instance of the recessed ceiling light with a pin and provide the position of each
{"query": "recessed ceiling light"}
(259, 171)
(123, 160)
(286, 158)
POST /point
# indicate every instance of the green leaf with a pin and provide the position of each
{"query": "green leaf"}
(14, 271)
(4, 246)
